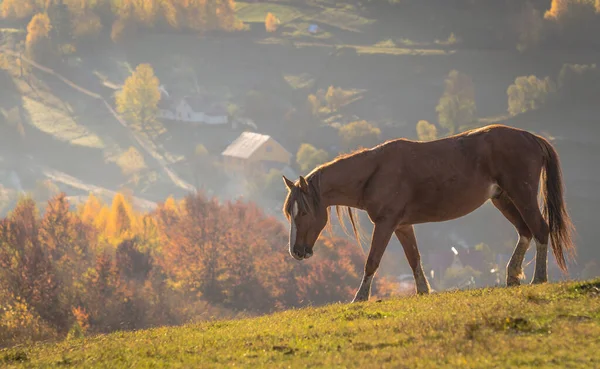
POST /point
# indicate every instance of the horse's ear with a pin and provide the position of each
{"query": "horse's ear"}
(303, 185)
(288, 183)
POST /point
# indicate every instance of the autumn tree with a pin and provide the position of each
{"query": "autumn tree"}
(308, 157)
(569, 10)
(313, 104)
(25, 268)
(18, 9)
(132, 163)
(456, 108)
(426, 131)
(271, 22)
(37, 42)
(122, 220)
(90, 209)
(528, 93)
(336, 97)
(138, 100)
(359, 134)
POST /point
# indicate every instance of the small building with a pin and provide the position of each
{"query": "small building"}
(192, 109)
(197, 109)
(254, 151)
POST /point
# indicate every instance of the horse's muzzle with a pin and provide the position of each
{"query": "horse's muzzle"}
(301, 252)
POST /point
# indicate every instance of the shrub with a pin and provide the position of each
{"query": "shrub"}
(426, 131)
(359, 134)
(528, 93)
(308, 157)
(456, 108)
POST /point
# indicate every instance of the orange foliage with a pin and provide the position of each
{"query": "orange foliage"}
(38, 35)
(271, 22)
(101, 268)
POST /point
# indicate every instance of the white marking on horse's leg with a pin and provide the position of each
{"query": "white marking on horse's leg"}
(541, 263)
(364, 291)
(421, 281)
(514, 269)
(293, 227)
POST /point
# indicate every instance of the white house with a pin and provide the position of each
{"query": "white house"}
(197, 109)
(192, 109)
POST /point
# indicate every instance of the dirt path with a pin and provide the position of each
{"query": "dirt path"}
(142, 142)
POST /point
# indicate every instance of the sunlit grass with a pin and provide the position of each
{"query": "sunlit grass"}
(344, 19)
(256, 13)
(60, 125)
(553, 325)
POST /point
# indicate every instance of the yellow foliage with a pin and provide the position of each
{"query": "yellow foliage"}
(121, 219)
(426, 131)
(336, 97)
(18, 9)
(38, 31)
(557, 8)
(138, 100)
(308, 157)
(101, 220)
(560, 8)
(359, 134)
(271, 22)
(171, 204)
(131, 162)
(91, 209)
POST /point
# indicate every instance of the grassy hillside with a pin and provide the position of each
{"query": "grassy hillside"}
(554, 325)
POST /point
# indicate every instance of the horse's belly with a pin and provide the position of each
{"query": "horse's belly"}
(451, 204)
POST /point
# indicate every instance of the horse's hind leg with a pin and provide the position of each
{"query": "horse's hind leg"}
(406, 236)
(527, 204)
(535, 221)
(514, 269)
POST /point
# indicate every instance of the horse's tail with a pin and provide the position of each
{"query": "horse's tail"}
(553, 205)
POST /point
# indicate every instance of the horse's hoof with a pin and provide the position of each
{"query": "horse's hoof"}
(513, 282)
(360, 299)
(538, 281)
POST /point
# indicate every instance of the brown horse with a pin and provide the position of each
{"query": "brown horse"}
(401, 182)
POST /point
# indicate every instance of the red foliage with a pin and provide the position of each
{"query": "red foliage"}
(186, 260)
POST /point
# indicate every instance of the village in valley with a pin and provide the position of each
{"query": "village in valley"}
(144, 147)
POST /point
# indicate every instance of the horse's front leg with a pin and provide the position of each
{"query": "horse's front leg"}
(408, 240)
(381, 237)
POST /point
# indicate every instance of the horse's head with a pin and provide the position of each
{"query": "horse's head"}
(306, 214)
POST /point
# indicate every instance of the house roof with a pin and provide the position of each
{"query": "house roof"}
(245, 145)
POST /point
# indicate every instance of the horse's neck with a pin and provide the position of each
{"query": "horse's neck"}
(341, 181)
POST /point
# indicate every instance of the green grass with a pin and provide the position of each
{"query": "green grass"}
(60, 125)
(553, 325)
(256, 13)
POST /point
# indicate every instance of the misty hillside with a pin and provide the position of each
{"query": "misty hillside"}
(143, 101)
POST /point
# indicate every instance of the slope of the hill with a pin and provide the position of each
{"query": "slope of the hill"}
(552, 325)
